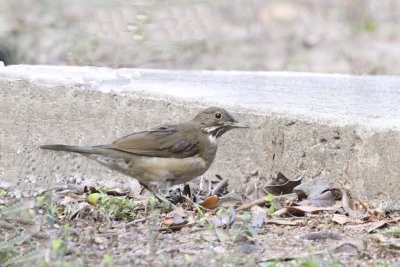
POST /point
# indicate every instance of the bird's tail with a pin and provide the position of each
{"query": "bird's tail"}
(76, 149)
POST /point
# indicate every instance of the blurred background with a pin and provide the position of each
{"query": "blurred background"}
(336, 36)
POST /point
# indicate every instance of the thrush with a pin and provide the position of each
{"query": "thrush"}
(166, 155)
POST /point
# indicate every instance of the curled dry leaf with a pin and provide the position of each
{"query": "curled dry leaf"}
(116, 192)
(176, 220)
(281, 185)
(176, 223)
(301, 210)
(210, 202)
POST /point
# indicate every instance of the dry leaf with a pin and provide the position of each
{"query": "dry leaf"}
(377, 225)
(229, 200)
(281, 185)
(311, 188)
(177, 211)
(116, 192)
(175, 223)
(301, 210)
(210, 202)
(326, 199)
(340, 219)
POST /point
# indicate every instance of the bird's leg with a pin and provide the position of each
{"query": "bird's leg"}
(157, 195)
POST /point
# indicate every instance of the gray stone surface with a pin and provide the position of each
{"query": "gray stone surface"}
(344, 129)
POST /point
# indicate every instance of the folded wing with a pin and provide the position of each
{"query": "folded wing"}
(163, 141)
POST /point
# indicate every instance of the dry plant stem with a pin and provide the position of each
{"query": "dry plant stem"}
(261, 201)
(137, 221)
(219, 186)
(280, 213)
(365, 206)
(158, 196)
(198, 207)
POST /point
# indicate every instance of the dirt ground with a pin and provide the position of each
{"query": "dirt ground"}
(74, 227)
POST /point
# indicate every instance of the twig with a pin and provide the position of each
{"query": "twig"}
(280, 213)
(198, 207)
(262, 201)
(219, 186)
(137, 221)
(365, 206)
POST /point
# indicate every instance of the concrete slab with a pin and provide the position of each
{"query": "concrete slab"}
(345, 129)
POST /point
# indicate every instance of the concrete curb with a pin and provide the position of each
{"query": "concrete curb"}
(341, 128)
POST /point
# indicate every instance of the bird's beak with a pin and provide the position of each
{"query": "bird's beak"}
(237, 124)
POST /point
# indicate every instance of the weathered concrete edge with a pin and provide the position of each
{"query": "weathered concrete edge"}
(282, 120)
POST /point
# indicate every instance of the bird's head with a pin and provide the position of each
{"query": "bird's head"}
(216, 121)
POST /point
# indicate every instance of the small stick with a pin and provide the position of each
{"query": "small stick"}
(280, 213)
(219, 186)
(198, 207)
(261, 201)
(365, 206)
(137, 221)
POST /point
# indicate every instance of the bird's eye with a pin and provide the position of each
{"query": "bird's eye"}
(218, 115)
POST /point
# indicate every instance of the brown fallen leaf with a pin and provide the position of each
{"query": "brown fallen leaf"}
(210, 202)
(175, 223)
(175, 227)
(280, 185)
(340, 219)
(377, 225)
(301, 210)
(283, 222)
(116, 192)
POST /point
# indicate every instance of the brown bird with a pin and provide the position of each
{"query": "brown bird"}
(166, 155)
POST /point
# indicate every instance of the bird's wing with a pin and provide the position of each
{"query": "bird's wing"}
(163, 141)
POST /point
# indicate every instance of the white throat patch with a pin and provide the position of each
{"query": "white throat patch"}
(213, 139)
(211, 129)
